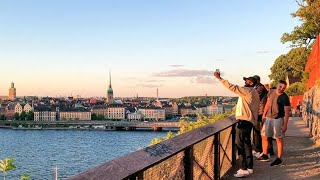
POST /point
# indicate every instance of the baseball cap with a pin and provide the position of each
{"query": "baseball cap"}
(252, 79)
(256, 77)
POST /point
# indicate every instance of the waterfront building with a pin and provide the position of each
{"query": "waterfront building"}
(116, 112)
(100, 110)
(175, 109)
(168, 109)
(109, 98)
(187, 111)
(10, 110)
(152, 113)
(27, 108)
(74, 114)
(45, 113)
(134, 116)
(201, 110)
(214, 108)
(4, 98)
(12, 92)
(19, 108)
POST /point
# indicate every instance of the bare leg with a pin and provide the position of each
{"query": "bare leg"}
(280, 147)
(265, 144)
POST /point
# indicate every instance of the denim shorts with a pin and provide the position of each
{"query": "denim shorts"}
(272, 128)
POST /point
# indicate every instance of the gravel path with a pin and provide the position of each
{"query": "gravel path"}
(301, 159)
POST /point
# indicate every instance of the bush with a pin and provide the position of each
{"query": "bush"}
(297, 88)
(185, 126)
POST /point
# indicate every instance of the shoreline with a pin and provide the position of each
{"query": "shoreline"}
(85, 129)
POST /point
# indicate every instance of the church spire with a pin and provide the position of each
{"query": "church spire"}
(110, 79)
(110, 91)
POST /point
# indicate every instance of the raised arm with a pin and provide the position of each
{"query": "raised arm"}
(241, 91)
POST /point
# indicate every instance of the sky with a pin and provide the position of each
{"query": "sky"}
(68, 47)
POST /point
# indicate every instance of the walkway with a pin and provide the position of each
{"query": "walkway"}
(301, 159)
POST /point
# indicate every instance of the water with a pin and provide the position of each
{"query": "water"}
(37, 152)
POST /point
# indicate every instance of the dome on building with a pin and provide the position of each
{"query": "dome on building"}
(110, 90)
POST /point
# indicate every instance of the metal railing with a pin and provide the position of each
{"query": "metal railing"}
(207, 152)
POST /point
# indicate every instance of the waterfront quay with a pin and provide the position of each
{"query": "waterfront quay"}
(91, 125)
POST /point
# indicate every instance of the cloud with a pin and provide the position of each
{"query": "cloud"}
(183, 73)
(205, 80)
(176, 65)
(152, 80)
(149, 85)
(263, 52)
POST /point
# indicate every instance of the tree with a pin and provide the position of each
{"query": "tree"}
(23, 116)
(294, 61)
(30, 116)
(6, 165)
(94, 116)
(2, 117)
(16, 116)
(100, 117)
(297, 88)
(305, 33)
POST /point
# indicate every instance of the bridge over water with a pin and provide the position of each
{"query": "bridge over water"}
(108, 125)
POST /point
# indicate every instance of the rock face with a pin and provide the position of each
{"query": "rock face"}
(311, 111)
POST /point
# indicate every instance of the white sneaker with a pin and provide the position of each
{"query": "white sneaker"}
(257, 154)
(241, 173)
(249, 170)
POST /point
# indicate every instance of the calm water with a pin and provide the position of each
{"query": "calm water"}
(37, 152)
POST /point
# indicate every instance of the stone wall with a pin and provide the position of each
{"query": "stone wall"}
(311, 111)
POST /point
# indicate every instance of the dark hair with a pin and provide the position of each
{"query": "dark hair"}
(283, 82)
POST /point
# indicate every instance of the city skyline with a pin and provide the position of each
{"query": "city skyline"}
(58, 48)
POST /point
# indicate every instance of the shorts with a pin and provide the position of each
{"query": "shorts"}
(272, 128)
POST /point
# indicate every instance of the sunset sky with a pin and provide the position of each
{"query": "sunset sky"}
(64, 47)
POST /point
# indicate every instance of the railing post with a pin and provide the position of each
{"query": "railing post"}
(188, 163)
(217, 156)
(137, 176)
(233, 134)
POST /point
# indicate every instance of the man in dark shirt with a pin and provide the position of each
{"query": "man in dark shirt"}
(257, 141)
(275, 118)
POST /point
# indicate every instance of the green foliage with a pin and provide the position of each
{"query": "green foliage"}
(297, 88)
(94, 116)
(16, 116)
(25, 177)
(185, 125)
(30, 116)
(100, 117)
(23, 116)
(294, 61)
(6, 165)
(2, 117)
(158, 140)
(305, 33)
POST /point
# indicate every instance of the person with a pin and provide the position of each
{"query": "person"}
(275, 118)
(267, 86)
(257, 141)
(298, 110)
(247, 116)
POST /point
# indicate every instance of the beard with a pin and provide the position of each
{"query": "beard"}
(248, 85)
